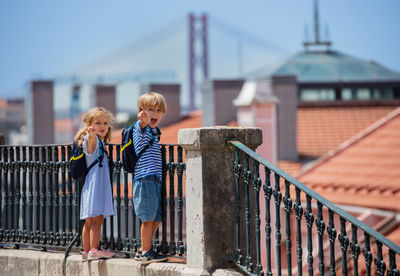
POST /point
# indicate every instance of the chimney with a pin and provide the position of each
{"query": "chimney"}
(171, 93)
(217, 97)
(257, 107)
(105, 96)
(285, 89)
(41, 110)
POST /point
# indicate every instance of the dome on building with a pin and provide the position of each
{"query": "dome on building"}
(333, 66)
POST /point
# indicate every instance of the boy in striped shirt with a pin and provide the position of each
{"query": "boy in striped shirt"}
(148, 172)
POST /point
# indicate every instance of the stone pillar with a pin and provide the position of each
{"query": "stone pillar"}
(285, 89)
(105, 96)
(210, 194)
(171, 93)
(41, 112)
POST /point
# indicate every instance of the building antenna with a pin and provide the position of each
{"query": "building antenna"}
(317, 41)
(316, 21)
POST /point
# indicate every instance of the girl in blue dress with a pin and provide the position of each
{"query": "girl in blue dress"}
(96, 197)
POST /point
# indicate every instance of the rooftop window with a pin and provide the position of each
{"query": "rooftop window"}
(346, 94)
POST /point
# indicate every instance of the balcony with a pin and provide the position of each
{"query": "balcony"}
(225, 210)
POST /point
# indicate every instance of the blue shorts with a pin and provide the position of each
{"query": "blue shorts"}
(147, 198)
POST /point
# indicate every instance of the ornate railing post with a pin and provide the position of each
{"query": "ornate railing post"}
(11, 202)
(268, 230)
(36, 234)
(172, 167)
(392, 270)
(164, 243)
(63, 200)
(379, 262)
(127, 242)
(42, 214)
(332, 237)
(24, 164)
(246, 177)
(49, 195)
(321, 228)
(4, 191)
(117, 169)
(298, 210)
(111, 243)
(278, 199)
(309, 221)
(257, 185)
(209, 190)
(288, 207)
(18, 167)
(344, 244)
(2, 181)
(56, 197)
(180, 167)
(367, 254)
(355, 249)
(31, 167)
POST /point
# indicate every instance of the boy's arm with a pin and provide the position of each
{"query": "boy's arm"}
(139, 138)
(144, 118)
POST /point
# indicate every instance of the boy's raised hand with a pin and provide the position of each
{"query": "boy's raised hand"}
(144, 118)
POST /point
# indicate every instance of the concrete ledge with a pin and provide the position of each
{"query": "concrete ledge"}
(21, 262)
(18, 262)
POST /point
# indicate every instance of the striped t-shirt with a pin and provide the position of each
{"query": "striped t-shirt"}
(150, 162)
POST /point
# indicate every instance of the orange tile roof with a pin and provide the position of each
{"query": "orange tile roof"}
(364, 171)
(63, 125)
(322, 129)
(290, 167)
(3, 103)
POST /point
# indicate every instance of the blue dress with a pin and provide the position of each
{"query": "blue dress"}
(96, 196)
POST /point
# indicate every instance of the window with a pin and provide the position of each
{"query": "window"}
(317, 94)
(363, 94)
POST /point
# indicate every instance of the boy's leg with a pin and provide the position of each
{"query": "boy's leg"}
(155, 227)
(150, 256)
(147, 234)
(147, 231)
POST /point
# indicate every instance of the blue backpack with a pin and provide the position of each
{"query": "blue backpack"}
(78, 166)
(129, 157)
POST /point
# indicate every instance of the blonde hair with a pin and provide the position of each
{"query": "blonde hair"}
(152, 99)
(88, 120)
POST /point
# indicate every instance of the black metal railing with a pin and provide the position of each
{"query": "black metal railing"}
(297, 209)
(39, 201)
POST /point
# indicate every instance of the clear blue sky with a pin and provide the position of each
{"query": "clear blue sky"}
(44, 38)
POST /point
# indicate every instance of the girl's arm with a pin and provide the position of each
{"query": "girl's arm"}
(91, 140)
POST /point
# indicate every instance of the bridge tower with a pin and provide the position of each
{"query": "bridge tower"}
(197, 33)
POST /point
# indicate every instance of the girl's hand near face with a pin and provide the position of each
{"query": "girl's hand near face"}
(91, 141)
(91, 131)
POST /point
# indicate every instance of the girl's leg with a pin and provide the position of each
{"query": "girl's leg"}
(95, 232)
(86, 234)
